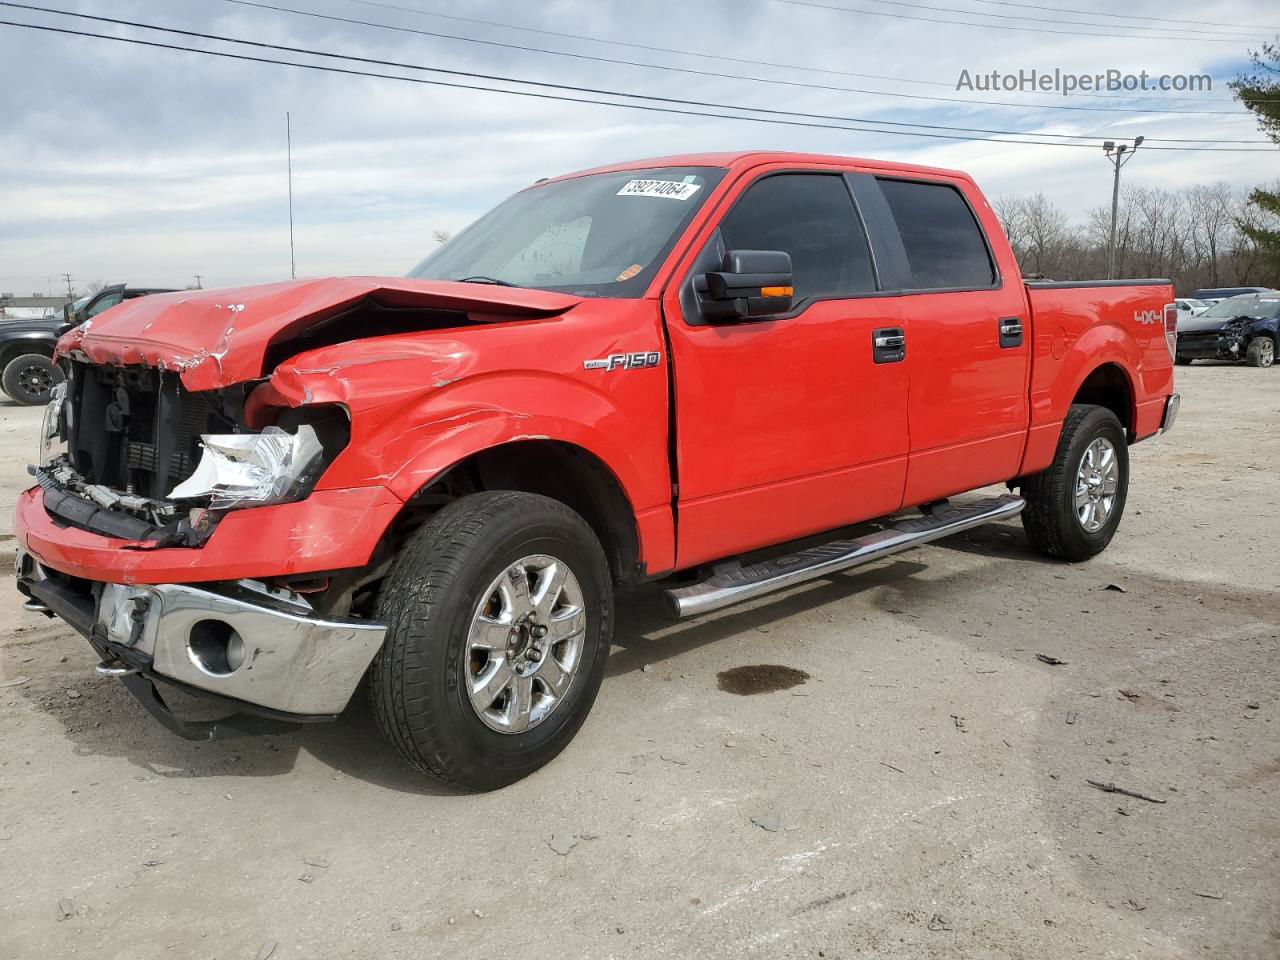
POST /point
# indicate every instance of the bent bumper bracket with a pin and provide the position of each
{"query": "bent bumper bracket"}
(235, 725)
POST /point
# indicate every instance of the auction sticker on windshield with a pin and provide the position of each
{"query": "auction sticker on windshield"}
(669, 189)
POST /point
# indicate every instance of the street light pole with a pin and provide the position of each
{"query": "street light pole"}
(1118, 155)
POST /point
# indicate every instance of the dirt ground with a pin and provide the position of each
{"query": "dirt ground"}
(926, 785)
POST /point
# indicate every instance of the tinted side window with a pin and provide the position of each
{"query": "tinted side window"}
(945, 247)
(811, 217)
(105, 303)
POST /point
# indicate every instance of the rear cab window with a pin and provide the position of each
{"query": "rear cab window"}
(944, 245)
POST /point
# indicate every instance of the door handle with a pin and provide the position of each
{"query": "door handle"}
(888, 345)
(1010, 332)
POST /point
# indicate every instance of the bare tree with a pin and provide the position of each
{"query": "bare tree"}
(1213, 225)
(1009, 212)
(1191, 236)
(441, 236)
(1045, 228)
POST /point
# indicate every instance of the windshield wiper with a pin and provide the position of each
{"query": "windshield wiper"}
(483, 279)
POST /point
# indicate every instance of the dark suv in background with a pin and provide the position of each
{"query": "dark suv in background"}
(1240, 328)
(27, 370)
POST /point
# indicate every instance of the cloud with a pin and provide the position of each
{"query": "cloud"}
(146, 165)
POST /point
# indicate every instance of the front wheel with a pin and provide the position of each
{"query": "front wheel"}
(1074, 507)
(1261, 352)
(499, 615)
(30, 379)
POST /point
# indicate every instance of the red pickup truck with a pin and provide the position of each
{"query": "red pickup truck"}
(664, 370)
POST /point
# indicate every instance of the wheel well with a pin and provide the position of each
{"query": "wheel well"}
(1108, 386)
(553, 469)
(21, 348)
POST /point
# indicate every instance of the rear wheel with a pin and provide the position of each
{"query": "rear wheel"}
(1074, 507)
(28, 379)
(499, 615)
(1261, 352)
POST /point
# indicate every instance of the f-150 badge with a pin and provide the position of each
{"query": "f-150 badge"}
(623, 361)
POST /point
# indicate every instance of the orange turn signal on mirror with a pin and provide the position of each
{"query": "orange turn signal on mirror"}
(776, 291)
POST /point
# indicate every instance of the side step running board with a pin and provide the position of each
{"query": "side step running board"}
(732, 582)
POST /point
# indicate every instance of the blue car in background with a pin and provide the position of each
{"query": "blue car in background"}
(1244, 328)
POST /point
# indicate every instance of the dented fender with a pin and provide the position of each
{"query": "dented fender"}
(421, 403)
(417, 410)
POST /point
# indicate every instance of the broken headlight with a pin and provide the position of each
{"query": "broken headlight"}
(53, 433)
(254, 469)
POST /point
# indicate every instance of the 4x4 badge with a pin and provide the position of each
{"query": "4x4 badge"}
(624, 361)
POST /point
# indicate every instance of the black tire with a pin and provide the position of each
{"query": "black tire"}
(1050, 517)
(29, 378)
(419, 679)
(1261, 352)
(1182, 361)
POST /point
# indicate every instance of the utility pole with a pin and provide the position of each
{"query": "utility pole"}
(1118, 155)
(288, 133)
(70, 295)
(198, 279)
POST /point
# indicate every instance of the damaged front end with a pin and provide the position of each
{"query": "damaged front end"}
(1225, 343)
(128, 452)
(203, 514)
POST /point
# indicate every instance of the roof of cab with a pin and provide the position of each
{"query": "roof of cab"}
(754, 158)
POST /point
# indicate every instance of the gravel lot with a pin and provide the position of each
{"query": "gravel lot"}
(927, 782)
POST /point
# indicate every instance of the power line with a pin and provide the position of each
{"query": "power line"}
(1123, 16)
(1076, 23)
(966, 101)
(307, 51)
(997, 26)
(777, 117)
(706, 55)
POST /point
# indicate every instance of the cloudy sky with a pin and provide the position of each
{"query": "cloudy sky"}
(121, 162)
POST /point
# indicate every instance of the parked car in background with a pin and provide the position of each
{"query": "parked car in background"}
(1211, 295)
(644, 372)
(27, 369)
(1240, 328)
(1188, 307)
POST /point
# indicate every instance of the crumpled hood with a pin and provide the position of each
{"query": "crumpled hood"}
(1204, 324)
(215, 338)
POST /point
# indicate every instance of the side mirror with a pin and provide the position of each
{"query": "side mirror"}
(751, 283)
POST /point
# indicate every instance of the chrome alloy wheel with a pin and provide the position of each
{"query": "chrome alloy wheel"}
(525, 644)
(1097, 481)
(1266, 352)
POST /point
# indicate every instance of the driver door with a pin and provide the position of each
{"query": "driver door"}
(794, 424)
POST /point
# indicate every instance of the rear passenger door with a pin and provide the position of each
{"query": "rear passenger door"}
(786, 425)
(967, 339)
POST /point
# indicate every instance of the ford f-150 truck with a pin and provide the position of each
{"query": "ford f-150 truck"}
(666, 370)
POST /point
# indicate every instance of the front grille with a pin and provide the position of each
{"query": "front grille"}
(1200, 339)
(136, 429)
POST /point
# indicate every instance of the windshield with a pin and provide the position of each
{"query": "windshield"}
(601, 235)
(1253, 306)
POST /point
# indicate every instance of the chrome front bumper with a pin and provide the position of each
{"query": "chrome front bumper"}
(244, 642)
